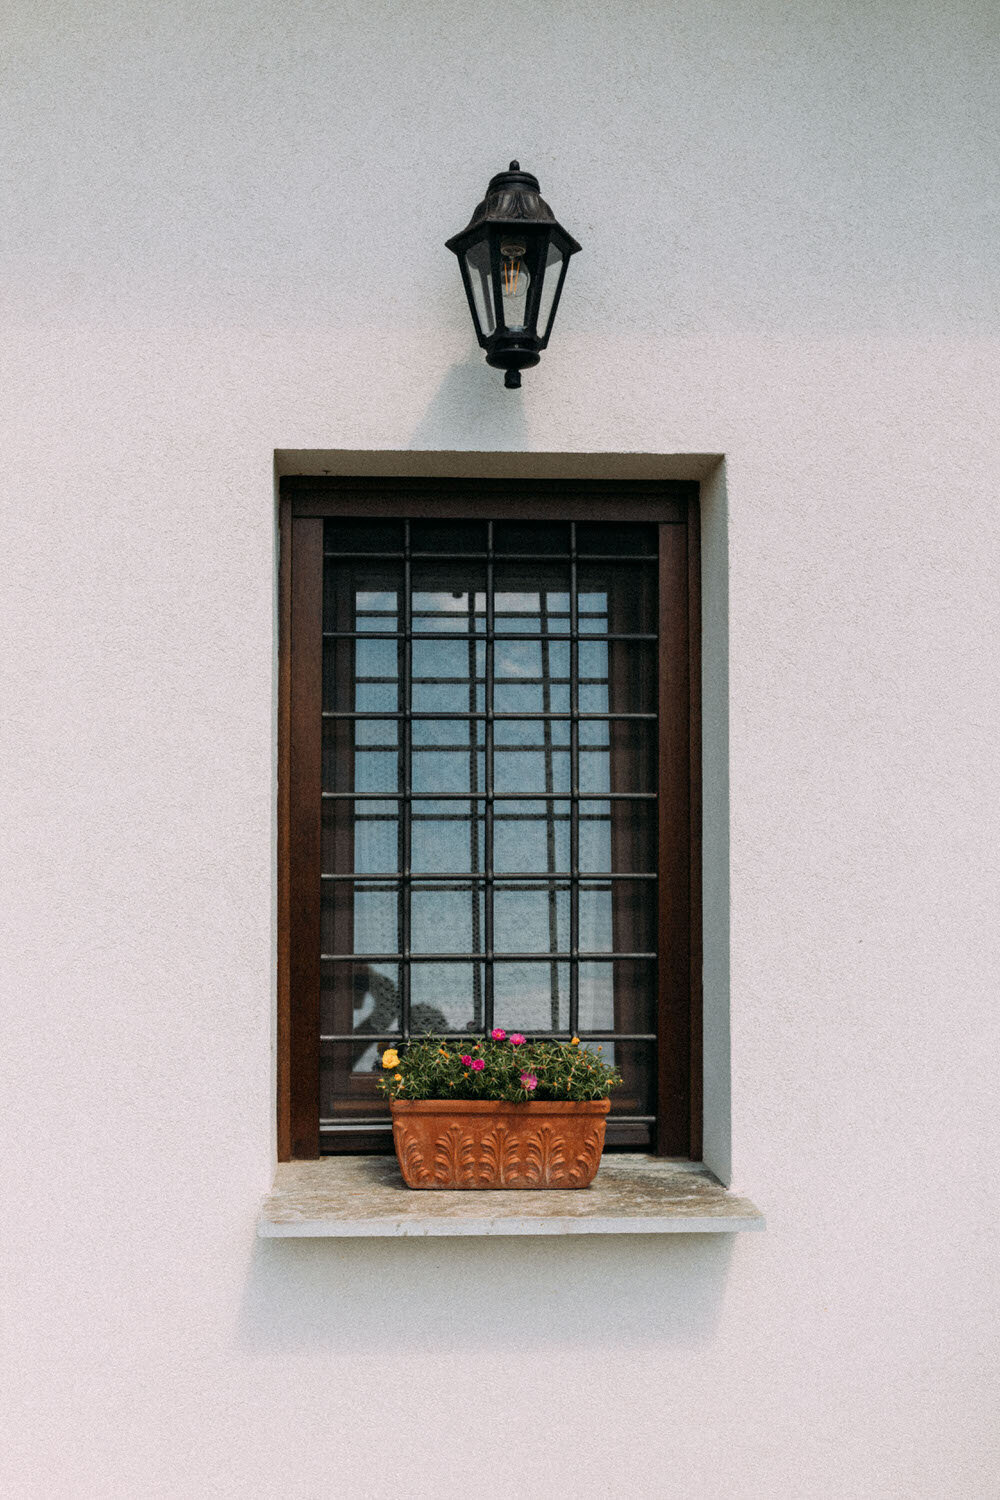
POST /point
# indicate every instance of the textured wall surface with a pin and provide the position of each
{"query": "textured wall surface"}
(221, 231)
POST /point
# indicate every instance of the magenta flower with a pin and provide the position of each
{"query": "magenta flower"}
(498, 1033)
(478, 1065)
(465, 1060)
(529, 1081)
(516, 1039)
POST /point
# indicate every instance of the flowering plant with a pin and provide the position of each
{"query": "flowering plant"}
(506, 1068)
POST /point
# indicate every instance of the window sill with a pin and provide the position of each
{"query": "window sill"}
(364, 1197)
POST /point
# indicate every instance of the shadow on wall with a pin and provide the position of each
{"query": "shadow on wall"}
(472, 401)
(311, 1296)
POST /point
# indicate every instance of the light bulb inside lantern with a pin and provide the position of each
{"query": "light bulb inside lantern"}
(514, 283)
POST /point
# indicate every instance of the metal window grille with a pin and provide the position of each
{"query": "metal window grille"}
(588, 746)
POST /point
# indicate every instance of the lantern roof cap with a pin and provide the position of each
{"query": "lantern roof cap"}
(512, 197)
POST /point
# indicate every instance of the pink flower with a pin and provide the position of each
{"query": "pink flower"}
(465, 1060)
(516, 1039)
(529, 1081)
(478, 1065)
(498, 1033)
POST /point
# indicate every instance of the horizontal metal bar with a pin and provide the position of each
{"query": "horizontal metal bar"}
(556, 637)
(367, 1039)
(490, 797)
(483, 715)
(537, 877)
(497, 956)
(337, 1127)
(498, 557)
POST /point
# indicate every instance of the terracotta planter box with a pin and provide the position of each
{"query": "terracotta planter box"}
(478, 1143)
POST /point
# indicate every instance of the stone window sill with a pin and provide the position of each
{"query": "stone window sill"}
(364, 1197)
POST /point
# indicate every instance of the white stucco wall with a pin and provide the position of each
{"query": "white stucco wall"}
(222, 230)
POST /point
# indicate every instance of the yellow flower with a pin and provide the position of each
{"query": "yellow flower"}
(390, 1059)
(575, 1042)
(397, 1077)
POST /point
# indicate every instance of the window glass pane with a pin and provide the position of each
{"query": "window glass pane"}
(617, 598)
(531, 997)
(531, 837)
(599, 537)
(448, 597)
(531, 755)
(444, 837)
(545, 537)
(436, 662)
(359, 998)
(617, 677)
(376, 660)
(636, 1061)
(440, 772)
(360, 918)
(360, 594)
(618, 835)
(362, 536)
(531, 599)
(534, 662)
(617, 915)
(617, 755)
(618, 996)
(531, 919)
(446, 919)
(446, 997)
(511, 697)
(362, 836)
(448, 536)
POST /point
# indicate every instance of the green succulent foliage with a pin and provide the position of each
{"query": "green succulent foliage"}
(433, 1069)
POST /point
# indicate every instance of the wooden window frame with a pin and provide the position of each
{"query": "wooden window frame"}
(305, 502)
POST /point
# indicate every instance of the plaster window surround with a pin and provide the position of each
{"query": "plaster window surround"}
(362, 1195)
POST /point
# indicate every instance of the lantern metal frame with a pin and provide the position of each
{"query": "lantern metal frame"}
(513, 206)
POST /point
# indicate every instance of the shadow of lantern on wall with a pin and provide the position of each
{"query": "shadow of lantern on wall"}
(513, 256)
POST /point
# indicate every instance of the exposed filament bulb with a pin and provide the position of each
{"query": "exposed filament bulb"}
(514, 283)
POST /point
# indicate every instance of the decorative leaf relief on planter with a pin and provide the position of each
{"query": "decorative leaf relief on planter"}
(455, 1158)
(411, 1159)
(499, 1158)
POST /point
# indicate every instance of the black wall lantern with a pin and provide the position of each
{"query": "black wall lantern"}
(513, 257)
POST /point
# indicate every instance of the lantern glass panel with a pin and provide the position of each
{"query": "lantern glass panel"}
(550, 285)
(477, 261)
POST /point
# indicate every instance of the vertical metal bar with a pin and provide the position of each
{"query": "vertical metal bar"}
(550, 807)
(488, 805)
(474, 788)
(404, 669)
(574, 806)
(305, 832)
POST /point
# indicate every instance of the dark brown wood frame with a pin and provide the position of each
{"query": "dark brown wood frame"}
(304, 504)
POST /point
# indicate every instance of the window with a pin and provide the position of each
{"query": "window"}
(488, 788)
